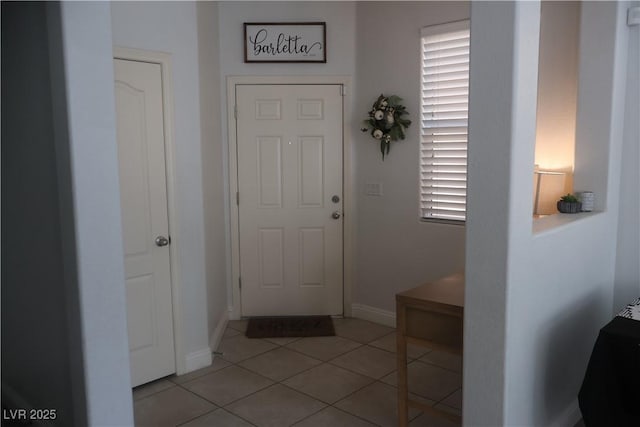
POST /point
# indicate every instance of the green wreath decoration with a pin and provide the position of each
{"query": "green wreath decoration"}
(386, 122)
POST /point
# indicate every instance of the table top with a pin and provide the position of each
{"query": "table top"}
(448, 290)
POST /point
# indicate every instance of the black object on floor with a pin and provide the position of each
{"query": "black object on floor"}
(609, 395)
(293, 326)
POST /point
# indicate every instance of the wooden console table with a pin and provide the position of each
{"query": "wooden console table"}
(430, 315)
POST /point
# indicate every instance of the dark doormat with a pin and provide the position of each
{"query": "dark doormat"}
(294, 326)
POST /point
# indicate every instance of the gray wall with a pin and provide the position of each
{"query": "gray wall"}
(557, 89)
(627, 287)
(85, 139)
(64, 332)
(493, 81)
(340, 18)
(528, 331)
(387, 231)
(538, 292)
(395, 251)
(38, 340)
(213, 177)
(172, 27)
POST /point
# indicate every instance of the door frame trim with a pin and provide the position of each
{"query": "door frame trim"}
(164, 60)
(235, 311)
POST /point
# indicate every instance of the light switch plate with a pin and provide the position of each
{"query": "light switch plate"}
(633, 16)
(373, 189)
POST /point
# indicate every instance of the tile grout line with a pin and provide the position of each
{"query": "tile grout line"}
(373, 380)
(194, 418)
(337, 409)
(257, 354)
(327, 404)
(438, 366)
(325, 361)
(223, 407)
(447, 396)
(321, 362)
(367, 344)
(133, 399)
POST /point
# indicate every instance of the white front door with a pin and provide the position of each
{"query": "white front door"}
(289, 143)
(140, 133)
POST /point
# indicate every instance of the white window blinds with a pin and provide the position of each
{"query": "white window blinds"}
(445, 95)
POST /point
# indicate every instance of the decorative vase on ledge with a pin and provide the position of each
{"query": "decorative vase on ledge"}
(569, 207)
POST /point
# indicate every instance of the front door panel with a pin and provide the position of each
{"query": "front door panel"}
(289, 169)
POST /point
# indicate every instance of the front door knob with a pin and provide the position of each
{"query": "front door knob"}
(162, 241)
(335, 215)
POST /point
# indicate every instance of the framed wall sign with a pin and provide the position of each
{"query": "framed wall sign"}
(285, 42)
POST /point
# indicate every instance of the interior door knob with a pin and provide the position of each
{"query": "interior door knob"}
(335, 215)
(162, 241)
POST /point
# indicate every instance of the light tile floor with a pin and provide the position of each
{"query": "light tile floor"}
(348, 380)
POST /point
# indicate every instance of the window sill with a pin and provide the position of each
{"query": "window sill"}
(442, 221)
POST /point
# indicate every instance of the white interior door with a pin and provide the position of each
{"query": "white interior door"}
(289, 143)
(140, 132)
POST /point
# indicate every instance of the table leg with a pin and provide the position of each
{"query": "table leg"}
(401, 351)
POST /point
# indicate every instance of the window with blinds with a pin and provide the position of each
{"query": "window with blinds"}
(443, 147)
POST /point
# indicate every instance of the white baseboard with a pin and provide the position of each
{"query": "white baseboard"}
(202, 358)
(569, 417)
(373, 314)
(218, 332)
(234, 314)
(198, 360)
